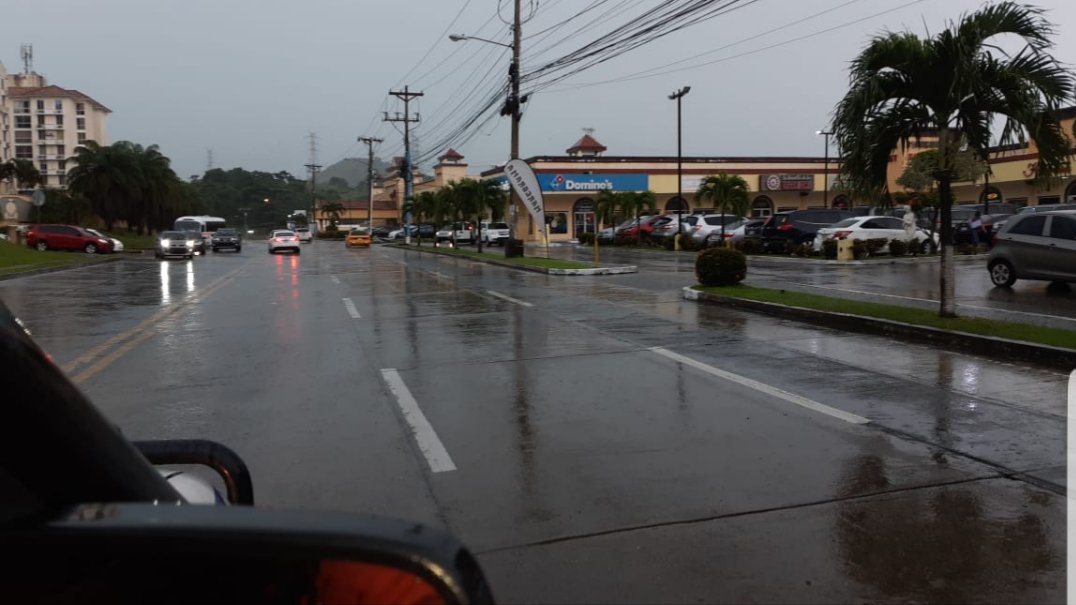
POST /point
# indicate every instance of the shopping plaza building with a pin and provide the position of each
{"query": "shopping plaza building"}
(570, 183)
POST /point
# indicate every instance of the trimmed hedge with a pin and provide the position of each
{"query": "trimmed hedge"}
(720, 267)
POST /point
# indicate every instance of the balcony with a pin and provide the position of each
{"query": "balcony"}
(49, 112)
(50, 126)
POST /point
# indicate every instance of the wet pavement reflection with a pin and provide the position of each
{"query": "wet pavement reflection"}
(588, 467)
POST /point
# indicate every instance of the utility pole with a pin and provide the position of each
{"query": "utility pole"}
(406, 95)
(244, 211)
(208, 160)
(513, 106)
(313, 168)
(677, 96)
(825, 168)
(370, 179)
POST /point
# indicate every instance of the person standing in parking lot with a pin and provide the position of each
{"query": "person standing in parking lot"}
(975, 226)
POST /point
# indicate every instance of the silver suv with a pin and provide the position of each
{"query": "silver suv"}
(1040, 245)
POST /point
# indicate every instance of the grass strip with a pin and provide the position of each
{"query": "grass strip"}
(18, 259)
(1055, 337)
(528, 261)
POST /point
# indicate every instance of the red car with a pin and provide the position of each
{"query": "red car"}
(66, 237)
(646, 225)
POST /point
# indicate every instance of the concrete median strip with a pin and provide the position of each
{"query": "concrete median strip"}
(620, 270)
(1007, 349)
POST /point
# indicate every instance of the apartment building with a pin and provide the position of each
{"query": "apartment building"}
(44, 123)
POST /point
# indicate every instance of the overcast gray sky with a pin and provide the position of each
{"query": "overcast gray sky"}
(250, 79)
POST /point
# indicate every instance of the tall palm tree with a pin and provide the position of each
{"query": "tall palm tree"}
(159, 187)
(634, 203)
(25, 174)
(953, 85)
(332, 210)
(108, 176)
(728, 193)
(492, 200)
(608, 205)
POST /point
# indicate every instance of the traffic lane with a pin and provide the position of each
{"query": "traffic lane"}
(572, 446)
(271, 367)
(981, 541)
(71, 312)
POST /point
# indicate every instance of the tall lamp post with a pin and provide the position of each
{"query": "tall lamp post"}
(676, 96)
(511, 106)
(825, 167)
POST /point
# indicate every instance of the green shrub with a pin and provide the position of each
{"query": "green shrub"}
(829, 248)
(586, 238)
(687, 244)
(875, 244)
(748, 246)
(621, 240)
(897, 247)
(668, 243)
(789, 247)
(720, 267)
(859, 248)
(334, 234)
(804, 249)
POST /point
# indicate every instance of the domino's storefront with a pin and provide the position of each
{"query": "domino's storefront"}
(571, 185)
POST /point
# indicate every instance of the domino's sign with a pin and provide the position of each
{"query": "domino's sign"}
(566, 182)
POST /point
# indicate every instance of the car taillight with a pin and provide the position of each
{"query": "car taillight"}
(785, 227)
(728, 234)
(841, 234)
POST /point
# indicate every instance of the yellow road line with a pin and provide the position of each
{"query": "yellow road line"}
(137, 334)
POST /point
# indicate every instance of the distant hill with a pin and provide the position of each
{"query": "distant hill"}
(352, 170)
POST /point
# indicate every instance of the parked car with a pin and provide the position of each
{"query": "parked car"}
(424, 231)
(738, 231)
(226, 239)
(304, 234)
(66, 237)
(645, 227)
(463, 233)
(1046, 208)
(176, 243)
(283, 239)
(700, 227)
(381, 232)
(117, 245)
(1038, 245)
(868, 227)
(494, 233)
(359, 236)
(799, 226)
(667, 226)
(991, 223)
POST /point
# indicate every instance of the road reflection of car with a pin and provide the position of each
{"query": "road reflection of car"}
(304, 235)
(462, 232)
(1036, 246)
(66, 237)
(283, 239)
(227, 239)
(117, 245)
(176, 243)
(868, 227)
(359, 236)
(799, 226)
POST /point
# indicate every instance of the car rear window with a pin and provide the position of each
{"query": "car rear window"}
(497, 226)
(227, 232)
(1063, 227)
(1032, 225)
(848, 222)
(282, 233)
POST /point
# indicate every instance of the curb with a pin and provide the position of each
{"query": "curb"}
(42, 271)
(545, 270)
(964, 342)
(865, 263)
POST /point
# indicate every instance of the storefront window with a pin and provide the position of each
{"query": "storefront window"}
(841, 202)
(677, 204)
(990, 195)
(761, 207)
(1070, 192)
(558, 222)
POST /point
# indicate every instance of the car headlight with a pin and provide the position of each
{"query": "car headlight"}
(102, 241)
(166, 242)
(190, 243)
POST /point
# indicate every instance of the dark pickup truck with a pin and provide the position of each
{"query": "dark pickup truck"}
(227, 238)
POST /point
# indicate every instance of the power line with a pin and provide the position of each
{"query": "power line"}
(437, 41)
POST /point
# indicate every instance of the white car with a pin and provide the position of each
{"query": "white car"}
(117, 245)
(868, 227)
(304, 234)
(464, 233)
(701, 226)
(494, 233)
(282, 239)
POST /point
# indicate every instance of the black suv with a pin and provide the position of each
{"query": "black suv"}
(227, 238)
(799, 226)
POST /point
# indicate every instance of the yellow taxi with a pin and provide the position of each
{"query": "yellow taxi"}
(359, 236)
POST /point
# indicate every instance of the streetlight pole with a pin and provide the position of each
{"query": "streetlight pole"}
(511, 107)
(825, 167)
(370, 180)
(677, 96)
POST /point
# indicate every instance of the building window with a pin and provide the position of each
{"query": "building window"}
(80, 109)
(23, 136)
(43, 166)
(24, 152)
(61, 150)
(63, 164)
(1070, 192)
(59, 120)
(841, 202)
(677, 204)
(61, 180)
(59, 105)
(22, 107)
(82, 137)
(40, 105)
(558, 223)
(42, 135)
(80, 123)
(761, 207)
(1046, 200)
(23, 122)
(41, 151)
(40, 120)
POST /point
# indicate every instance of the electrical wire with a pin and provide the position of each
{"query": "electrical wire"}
(437, 41)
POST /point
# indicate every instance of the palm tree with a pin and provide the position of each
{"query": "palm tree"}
(491, 198)
(108, 176)
(954, 85)
(333, 210)
(634, 203)
(728, 193)
(159, 187)
(25, 174)
(607, 206)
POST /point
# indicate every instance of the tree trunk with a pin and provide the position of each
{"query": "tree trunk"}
(479, 232)
(948, 277)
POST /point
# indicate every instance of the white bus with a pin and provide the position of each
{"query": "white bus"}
(206, 225)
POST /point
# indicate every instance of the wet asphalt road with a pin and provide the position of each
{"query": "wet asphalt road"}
(591, 438)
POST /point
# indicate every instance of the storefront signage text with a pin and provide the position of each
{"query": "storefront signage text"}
(566, 182)
(786, 182)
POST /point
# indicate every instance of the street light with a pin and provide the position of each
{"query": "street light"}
(511, 107)
(825, 168)
(679, 163)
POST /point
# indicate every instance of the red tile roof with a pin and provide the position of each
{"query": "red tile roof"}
(452, 155)
(587, 143)
(54, 91)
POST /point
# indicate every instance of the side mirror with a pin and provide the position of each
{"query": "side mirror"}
(227, 464)
(168, 553)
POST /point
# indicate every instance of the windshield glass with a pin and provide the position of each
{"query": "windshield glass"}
(360, 231)
(172, 235)
(848, 222)
(188, 225)
(227, 232)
